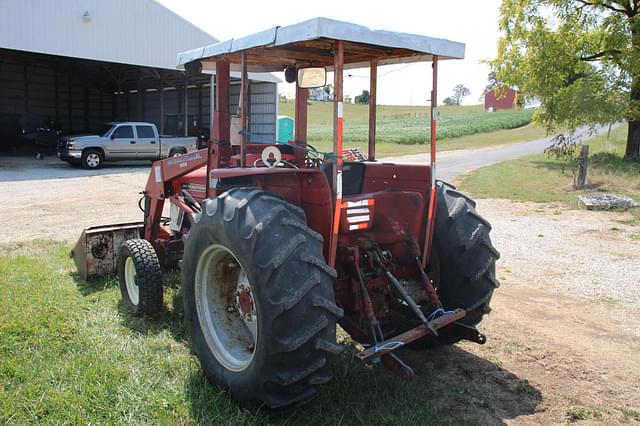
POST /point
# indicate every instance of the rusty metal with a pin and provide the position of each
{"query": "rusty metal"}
(434, 299)
(397, 366)
(412, 335)
(367, 306)
(96, 252)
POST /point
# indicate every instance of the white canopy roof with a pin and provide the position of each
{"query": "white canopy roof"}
(385, 46)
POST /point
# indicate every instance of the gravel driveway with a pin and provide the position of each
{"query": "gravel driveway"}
(587, 253)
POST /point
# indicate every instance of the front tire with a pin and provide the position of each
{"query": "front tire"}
(140, 277)
(92, 159)
(258, 299)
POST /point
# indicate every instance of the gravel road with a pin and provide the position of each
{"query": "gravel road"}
(452, 163)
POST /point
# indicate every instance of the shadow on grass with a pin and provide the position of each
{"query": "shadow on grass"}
(452, 386)
(608, 162)
(96, 285)
(600, 162)
(170, 319)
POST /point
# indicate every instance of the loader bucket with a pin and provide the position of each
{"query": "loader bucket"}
(96, 252)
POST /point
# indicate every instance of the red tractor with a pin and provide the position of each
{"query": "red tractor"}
(279, 243)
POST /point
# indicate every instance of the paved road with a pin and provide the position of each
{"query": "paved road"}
(452, 163)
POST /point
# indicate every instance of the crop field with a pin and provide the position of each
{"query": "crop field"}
(407, 125)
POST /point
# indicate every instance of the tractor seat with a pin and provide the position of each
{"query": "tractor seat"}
(352, 176)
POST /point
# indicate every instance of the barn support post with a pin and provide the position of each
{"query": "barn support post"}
(114, 105)
(139, 116)
(25, 77)
(56, 88)
(244, 94)
(186, 104)
(161, 93)
(200, 90)
(373, 87)
(69, 103)
(127, 100)
(86, 108)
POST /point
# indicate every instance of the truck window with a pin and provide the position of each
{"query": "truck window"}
(123, 132)
(145, 132)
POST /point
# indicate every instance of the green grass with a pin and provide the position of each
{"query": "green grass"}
(71, 354)
(405, 129)
(540, 179)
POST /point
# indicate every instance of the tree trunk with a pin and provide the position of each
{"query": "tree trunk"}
(632, 151)
(633, 141)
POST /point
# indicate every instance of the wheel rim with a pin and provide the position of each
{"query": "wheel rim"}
(226, 308)
(130, 280)
(93, 160)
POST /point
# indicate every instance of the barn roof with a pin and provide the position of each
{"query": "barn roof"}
(141, 32)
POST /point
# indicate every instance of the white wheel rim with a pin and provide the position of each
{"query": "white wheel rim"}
(93, 160)
(226, 309)
(130, 280)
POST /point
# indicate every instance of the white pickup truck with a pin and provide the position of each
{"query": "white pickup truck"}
(122, 141)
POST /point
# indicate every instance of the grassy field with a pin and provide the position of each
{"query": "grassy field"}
(405, 129)
(540, 179)
(71, 354)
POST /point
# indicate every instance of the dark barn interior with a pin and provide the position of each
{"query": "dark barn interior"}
(45, 96)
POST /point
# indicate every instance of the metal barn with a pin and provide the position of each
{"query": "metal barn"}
(82, 63)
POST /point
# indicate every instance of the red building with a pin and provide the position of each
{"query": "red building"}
(507, 100)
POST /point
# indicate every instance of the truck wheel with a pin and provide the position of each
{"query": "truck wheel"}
(140, 277)
(91, 159)
(467, 259)
(177, 152)
(258, 299)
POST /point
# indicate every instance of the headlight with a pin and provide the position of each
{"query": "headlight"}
(70, 144)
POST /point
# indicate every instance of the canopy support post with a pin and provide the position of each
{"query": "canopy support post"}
(338, 122)
(373, 86)
(428, 240)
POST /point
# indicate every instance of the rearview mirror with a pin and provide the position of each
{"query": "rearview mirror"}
(309, 78)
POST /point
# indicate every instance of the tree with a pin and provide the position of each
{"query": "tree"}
(448, 101)
(328, 89)
(581, 58)
(492, 83)
(362, 98)
(459, 93)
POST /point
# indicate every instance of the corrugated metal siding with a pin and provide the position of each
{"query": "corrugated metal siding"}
(52, 95)
(263, 110)
(140, 32)
(264, 97)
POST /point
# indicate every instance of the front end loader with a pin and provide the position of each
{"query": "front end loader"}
(280, 243)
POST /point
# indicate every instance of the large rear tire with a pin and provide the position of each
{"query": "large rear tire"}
(258, 299)
(467, 259)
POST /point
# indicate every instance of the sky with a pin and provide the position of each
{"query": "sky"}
(473, 22)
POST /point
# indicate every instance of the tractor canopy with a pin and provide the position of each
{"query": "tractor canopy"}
(312, 43)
